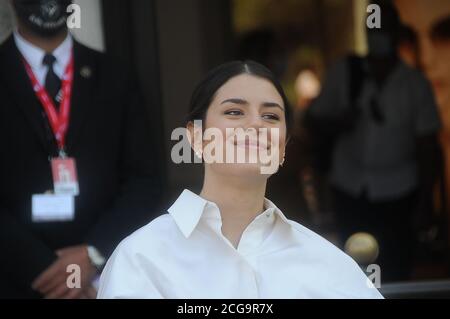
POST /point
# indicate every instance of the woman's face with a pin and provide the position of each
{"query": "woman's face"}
(248, 104)
(426, 41)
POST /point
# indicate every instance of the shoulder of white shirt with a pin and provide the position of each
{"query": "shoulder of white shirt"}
(165, 226)
(163, 230)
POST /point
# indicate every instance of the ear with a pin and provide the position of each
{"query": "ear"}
(195, 137)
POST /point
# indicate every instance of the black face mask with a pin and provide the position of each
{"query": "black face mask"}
(44, 17)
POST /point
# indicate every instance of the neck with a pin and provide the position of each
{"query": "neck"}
(240, 201)
(47, 44)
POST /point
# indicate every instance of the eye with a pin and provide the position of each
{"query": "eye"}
(234, 112)
(271, 117)
(441, 31)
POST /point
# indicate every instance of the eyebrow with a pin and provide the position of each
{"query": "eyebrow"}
(244, 102)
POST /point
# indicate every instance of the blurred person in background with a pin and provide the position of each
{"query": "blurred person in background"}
(69, 108)
(382, 119)
(425, 44)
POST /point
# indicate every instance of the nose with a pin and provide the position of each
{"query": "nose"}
(254, 122)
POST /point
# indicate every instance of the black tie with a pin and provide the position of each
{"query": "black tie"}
(52, 81)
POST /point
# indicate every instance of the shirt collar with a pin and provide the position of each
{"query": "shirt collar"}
(189, 208)
(187, 211)
(35, 55)
(269, 205)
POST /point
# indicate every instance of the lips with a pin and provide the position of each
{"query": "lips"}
(251, 144)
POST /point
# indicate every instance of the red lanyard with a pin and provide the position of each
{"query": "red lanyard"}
(58, 122)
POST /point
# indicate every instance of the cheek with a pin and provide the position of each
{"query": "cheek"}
(223, 124)
(440, 52)
(282, 146)
(281, 141)
(217, 127)
(443, 56)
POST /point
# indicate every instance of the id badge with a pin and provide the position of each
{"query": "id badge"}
(52, 208)
(65, 180)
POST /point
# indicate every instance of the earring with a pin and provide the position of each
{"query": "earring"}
(282, 162)
(199, 154)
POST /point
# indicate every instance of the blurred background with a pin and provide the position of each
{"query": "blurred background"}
(172, 43)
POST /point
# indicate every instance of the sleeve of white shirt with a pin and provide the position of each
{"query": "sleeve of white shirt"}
(356, 283)
(126, 277)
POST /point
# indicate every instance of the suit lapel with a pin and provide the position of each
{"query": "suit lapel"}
(14, 78)
(82, 93)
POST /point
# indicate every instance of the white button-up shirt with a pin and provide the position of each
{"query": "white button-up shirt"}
(184, 255)
(35, 56)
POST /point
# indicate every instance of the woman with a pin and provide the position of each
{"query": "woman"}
(229, 241)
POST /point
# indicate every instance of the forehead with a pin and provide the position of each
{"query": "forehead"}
(250, 88)
(421, 15)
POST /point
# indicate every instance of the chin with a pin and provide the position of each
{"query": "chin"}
(246, 171)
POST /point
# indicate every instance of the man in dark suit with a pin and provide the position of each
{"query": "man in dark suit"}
(108, 138)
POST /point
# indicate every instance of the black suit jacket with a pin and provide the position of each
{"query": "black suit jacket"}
(110, 139)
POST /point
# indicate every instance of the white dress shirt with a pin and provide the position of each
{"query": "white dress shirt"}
(35, 56)
(184, 255)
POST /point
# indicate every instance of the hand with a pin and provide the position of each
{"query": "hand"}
(89, 293)
(52, 283)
